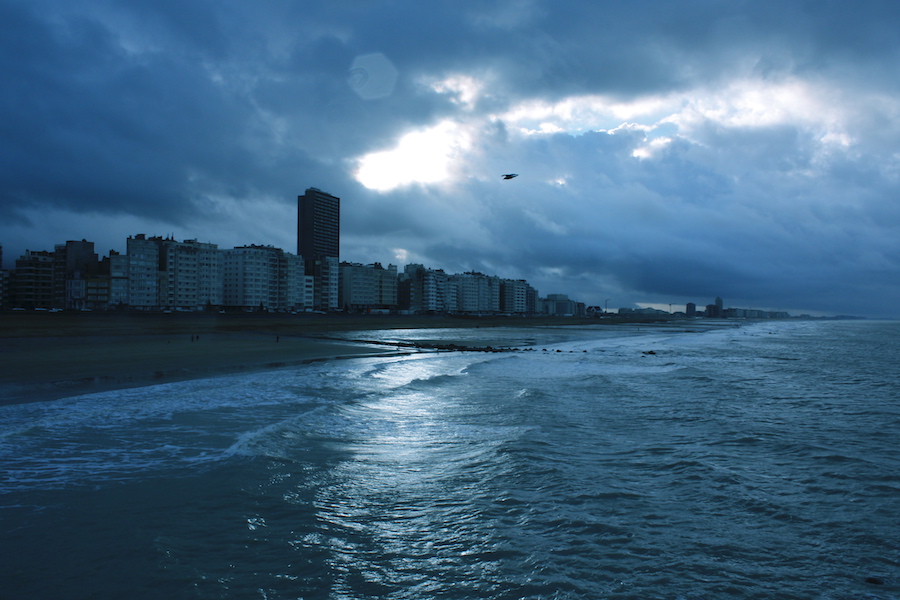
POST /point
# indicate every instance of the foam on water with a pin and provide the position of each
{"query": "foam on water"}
(751, 462)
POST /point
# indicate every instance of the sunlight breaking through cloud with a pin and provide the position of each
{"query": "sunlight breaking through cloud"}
(419, 157)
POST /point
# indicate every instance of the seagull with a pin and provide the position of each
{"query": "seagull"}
(510, 175)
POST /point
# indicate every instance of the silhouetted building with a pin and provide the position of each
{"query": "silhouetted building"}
(118, 280)
(715, 311)
(32, 282)
(319, 242)
(4, 283)
(74, 264)
(690, 309)
(560, 305)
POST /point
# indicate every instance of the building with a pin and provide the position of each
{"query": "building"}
(32, 282)
(264, 278)
(318, 242)
(143, 272)
(716, 310)
(517, 297)
(4, 289)
(475, 293)
(560, 305)
(357, 287)
(421, 290)
(118, 280)
(4, 283)
(191, 274)
(367, 287)
(74, 263)
(385, 286)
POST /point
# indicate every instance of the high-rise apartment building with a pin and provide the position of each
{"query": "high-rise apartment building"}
(319, 242)
(118, 280)
(143, 272)
(425, 290)
(263, 277)
(74, 265)
(318, 224)
(517, 297)
(366, 287)
(33, 281)
(190, 274)
(476, 292)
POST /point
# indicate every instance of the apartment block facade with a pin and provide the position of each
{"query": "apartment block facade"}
(265, 278)
(318, 242)
(191, 274)
(143, 272)
(367, 287)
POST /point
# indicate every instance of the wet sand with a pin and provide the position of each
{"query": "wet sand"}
(45, 356)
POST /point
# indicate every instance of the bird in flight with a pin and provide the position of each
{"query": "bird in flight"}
(510, 175)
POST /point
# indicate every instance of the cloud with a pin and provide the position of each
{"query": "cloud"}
(667, 152)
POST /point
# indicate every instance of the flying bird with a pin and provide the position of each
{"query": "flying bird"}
(510, 175)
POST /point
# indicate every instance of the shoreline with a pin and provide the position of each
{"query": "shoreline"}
(48, 356)
(50, 368)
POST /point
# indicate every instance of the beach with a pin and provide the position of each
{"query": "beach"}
(46, 355)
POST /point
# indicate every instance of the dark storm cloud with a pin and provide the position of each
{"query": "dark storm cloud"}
(668, 152)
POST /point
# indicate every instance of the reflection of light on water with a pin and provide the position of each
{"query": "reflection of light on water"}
(420, 462)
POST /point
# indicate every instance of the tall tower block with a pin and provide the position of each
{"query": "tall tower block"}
(318, 225)
(319, 243)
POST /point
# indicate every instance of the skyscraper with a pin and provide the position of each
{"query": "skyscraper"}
(318, 224)
(318, 242)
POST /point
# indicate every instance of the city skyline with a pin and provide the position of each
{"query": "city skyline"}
(666, 153)
(146, 258)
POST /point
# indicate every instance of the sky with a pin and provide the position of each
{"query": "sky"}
(667, 152)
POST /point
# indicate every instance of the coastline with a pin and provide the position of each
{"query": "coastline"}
(49, 368)
(47, 356)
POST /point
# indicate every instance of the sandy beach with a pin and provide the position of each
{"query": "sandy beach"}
(45, 356)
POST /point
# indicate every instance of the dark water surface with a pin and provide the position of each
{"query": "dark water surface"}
(735, 462)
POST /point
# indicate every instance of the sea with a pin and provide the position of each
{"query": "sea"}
(691, 460)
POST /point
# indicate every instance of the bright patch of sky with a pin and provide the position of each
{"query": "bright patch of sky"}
(424, 156)
(419, 157)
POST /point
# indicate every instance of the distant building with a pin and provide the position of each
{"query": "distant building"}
(264, 278)
(367, 287)
(118, 280)
(4, 283)
(715, 310)
(143, 272)
(560, 305)
(421, 290)
(690, 310)
(74, 263)
(191, 274)
(475, 293)
(357, 287)
(653, 312)
(385, 286)
(4, 288)
(517, 297)
(319, 242)
(32, 282)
